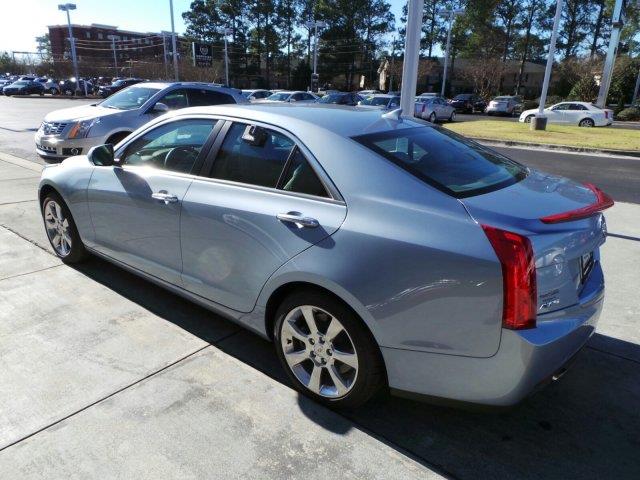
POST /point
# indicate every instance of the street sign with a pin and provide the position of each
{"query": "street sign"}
(202, 54)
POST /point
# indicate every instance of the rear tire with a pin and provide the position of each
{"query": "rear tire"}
(432, 117)
(61, 230)
(307, 353)
(587, 122)
(452, 117)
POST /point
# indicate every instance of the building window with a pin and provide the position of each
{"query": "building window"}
(88, 34)
(100, 36)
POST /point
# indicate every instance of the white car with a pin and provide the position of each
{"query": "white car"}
(291, 97)
(583, 114)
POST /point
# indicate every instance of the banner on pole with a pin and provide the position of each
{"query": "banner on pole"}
(202, 54)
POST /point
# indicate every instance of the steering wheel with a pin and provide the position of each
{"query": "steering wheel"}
(181, 159)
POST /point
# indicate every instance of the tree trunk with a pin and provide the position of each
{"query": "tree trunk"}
(527, 39)
(598, 28)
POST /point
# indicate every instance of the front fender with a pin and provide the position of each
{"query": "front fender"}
(71, 179)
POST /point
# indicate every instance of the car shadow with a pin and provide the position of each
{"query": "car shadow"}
(585, 426)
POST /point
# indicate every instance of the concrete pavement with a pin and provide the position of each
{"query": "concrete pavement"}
(106, 375)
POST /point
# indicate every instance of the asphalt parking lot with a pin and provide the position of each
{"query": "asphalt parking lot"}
(105, 374)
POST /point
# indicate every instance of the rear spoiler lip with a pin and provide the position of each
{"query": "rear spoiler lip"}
(603, 201)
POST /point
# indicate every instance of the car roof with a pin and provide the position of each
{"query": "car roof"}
(303, 119)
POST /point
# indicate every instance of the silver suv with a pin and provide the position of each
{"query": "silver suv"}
(73, 131)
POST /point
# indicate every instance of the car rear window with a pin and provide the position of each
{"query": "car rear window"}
(445, 160)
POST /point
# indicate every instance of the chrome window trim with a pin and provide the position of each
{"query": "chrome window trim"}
(336, 196)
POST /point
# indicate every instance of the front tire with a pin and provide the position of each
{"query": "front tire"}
(61, 230)
(452, 117)
(528, 118)
(432, 117)
(326, 350)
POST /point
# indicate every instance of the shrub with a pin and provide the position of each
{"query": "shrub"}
(632, 113)
(584, 89)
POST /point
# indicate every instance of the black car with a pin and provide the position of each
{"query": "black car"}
(468, 103)
(341, 98)
(23, 87)
(68, 86)
(106, 90)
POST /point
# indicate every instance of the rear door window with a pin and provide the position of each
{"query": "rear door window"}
(256, 163)
(203, 97)
(300, 177)
(445, 160)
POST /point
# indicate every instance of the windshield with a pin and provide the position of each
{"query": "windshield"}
(332, 98)
(446, 160)
(375, 101)
(21, 83)
(129, 98)
(279, 97)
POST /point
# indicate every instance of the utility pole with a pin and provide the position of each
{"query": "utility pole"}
(226, 32)
(539, 122)
(636, 89)
(315, 24)
(173, 44)
(164, 53)
(393, 63)
(411, 57)
(115, 58)
(617, 21)
(451, 15)
(66, 7)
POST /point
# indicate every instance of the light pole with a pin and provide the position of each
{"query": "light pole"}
(411, 57)
(451, 15)
(113, 47)
(173, 43)
(67, 7)
(315, 24)
(617, 21)
(539, 122)
(226, 32)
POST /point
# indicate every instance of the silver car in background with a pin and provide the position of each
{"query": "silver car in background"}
(73, 131)
(434, 109)
(382, 101)
(505, 105)
(287, 96)
(256, 94)
(374, 251)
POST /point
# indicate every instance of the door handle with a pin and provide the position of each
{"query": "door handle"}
(297, 219)
(166, 197)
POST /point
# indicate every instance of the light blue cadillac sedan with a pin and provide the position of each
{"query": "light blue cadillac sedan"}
(376, 252)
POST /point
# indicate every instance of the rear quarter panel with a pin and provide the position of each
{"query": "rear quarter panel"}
(408, 259)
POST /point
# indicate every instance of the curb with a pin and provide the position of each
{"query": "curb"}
(559, 148)
(21, 162)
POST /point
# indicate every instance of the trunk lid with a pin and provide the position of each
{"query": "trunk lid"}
(565, 253)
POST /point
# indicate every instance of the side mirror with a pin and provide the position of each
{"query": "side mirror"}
(102, 155)
(160, 107)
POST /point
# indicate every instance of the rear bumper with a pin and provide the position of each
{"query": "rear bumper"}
(525, 360)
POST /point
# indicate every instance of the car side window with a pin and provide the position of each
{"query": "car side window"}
(175, 99)
(308, 96)
(562, 106)
(576, 106)
(202, 97)
(173, 146)
(253, 155)
(301, 178)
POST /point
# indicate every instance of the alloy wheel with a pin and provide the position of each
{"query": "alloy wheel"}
(57, 226)
(319, 351)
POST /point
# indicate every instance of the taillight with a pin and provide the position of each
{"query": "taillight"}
(603, 201)
(520, 293)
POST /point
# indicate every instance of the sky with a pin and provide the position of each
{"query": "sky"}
(18, 29)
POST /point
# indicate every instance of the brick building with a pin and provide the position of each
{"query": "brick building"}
(95, 42)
